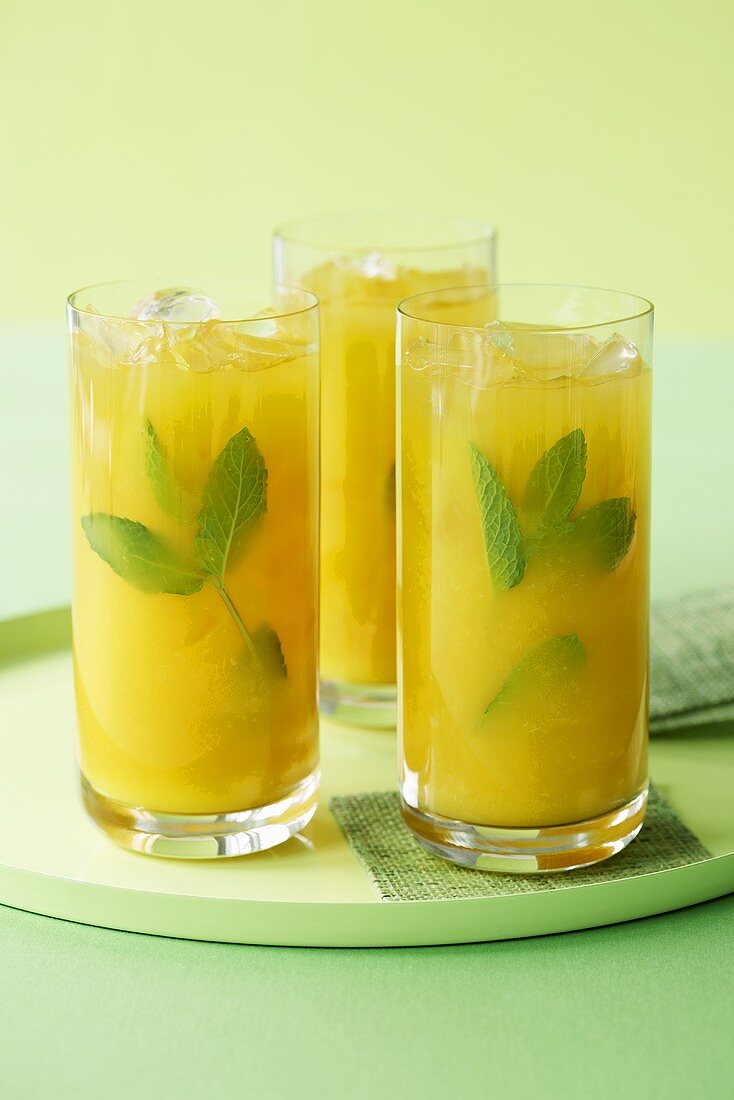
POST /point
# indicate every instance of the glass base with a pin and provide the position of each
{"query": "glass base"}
(371, 705)
(203, 836)
(529, 851)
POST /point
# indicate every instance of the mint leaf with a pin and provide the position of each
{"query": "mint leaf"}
(603, 533)
(138, 555)
(269, 651)
(172, 498)
(555, 483)
(235, 498)
(543, 668)
(502, 538)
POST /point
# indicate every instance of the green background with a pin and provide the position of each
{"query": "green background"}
(158, 135)
(632, 1011)
(164, 135)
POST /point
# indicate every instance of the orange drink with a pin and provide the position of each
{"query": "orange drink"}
(195, 493)
(359, 269)
(523, 605)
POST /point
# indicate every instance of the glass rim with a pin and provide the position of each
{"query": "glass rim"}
(478, 232)
(646, 307)
(310, 301)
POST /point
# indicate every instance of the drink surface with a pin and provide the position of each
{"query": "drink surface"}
(181, 707)
(358, 303)
(524, 580)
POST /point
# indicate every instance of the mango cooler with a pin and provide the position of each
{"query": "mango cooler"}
(359, 267)
(524, 504)
(195, 534)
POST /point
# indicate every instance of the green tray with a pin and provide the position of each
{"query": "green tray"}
(305, 893)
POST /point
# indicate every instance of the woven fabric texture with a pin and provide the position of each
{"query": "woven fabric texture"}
(692, 659)
(402, 870)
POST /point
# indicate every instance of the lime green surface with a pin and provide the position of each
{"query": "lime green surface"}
(164, 135)
(638, 1011)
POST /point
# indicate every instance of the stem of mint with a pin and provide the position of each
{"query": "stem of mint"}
(217, 584)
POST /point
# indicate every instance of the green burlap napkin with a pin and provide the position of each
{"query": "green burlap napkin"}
(692, 660)
(401, 870)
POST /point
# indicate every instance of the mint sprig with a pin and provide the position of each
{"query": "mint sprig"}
(139, 556)
(603, 533)
(500, 527)
(233, 502)
(555, 482)
(235, 498)
(172, 497)
(157, 469)
(545, 667)
(598, 538)
(269, 651)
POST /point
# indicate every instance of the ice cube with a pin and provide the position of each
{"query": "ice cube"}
(264, 325)
(216, 346)
(107, 340)
(176, 305)
(481, 358)
(181, 315)
(470, 356)
(253, 353)
(547, 356)
(158, 346)
(500, 336)
(213, 345)
(618, 355)
(373, 265)
(421, 354)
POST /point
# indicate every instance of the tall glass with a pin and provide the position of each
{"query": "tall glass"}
(195, 531)
(360, 267)
(524, 505)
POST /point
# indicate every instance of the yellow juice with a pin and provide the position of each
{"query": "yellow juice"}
(525, 639)
(358, 459)
(199, 698)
